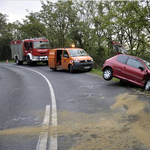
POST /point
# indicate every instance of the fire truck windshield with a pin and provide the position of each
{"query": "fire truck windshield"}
(41, 44)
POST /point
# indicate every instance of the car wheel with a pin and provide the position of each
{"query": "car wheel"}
(71, 70)
(54, 69)
(108, 74)
(147, 86)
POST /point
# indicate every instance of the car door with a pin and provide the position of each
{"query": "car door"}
(119, 65)
(65, 60)
(133, 72)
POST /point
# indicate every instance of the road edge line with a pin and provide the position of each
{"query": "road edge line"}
(53, 139)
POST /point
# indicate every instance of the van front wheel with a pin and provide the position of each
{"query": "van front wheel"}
(71, 70)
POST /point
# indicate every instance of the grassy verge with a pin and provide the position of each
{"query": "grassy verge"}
(97, 71)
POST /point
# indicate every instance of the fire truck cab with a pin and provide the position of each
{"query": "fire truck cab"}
(69, 59)
(30, 50)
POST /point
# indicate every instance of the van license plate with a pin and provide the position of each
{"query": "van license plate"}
(86, 67)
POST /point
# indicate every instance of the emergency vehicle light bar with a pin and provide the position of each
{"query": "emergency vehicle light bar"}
(72, 46)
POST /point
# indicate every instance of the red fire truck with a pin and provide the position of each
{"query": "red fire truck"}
(30, 50)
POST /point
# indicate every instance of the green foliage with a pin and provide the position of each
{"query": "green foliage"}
(5, 38)
(91, 25)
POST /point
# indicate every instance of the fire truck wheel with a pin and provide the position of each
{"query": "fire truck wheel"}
(28, 61)
(71, 70)
(18, 62)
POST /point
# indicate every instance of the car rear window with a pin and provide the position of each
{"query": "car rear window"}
(122, 58)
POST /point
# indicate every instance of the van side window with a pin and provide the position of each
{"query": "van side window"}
(65, 54)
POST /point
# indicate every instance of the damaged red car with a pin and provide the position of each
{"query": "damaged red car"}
(128, 68)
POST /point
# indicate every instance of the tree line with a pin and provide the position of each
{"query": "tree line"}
(91, 25)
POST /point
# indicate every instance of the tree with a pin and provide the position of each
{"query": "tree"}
(32, 27)
(5, 38)
(55, 18)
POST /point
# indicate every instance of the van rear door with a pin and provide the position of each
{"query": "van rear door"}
(52, 60)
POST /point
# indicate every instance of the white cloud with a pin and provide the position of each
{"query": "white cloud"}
(17, 10)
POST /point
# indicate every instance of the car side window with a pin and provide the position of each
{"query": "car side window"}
(134, 63)
(122, 58)
(65, 54)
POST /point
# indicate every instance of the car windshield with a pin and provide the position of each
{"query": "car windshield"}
(41, 44)
(147, 64)
(77, 52)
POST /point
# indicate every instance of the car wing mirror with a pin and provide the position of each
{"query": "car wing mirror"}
(141, 68)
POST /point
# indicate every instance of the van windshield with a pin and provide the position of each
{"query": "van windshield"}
(77, 52)
(41, 44)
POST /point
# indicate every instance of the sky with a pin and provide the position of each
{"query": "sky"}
(16, 9)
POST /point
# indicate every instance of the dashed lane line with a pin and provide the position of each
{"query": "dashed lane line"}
(42, 142)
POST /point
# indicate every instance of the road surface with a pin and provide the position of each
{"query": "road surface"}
(41, 109)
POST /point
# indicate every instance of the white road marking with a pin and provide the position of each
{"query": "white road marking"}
(45, 124)
(53, 139)
(42, 142)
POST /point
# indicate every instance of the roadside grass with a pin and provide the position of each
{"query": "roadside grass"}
(97, 71)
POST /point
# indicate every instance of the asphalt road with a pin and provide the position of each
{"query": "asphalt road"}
(41, 109)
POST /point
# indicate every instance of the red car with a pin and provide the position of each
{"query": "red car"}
(128, 68)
